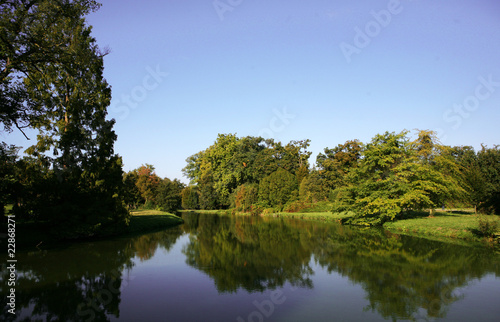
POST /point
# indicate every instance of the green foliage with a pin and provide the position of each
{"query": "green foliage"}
(231, 162)
(395, 175)
(313, 188)
(39, 37)
(486, 227)
(189, 197)
(147, 182)
(51, 80)
(131, 193)
(278, 188)
(245, 196)
(489, 163)
(335, 163)
(169, 197)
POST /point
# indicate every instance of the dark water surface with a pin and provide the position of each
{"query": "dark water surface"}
(220, 268)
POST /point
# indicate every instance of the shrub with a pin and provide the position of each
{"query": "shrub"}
(486, 227)
(244, 197)
(278, 188)
(296, 206)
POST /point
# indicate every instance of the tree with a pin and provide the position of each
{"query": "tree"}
(131, 194)
(313, 188)
(245, 196)
(231, 162)
(336, 162)
(392, 178)
(489, 163)
(33, 35)
(147, 183)
(52, 81)
(189, 197)
(8, 158)
(169, 197)
(278, 188)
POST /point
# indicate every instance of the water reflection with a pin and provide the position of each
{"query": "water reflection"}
(403, 277)
(82, 282)
(248, 253)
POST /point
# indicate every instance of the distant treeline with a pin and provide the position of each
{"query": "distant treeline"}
(378, 180)
(381, 179)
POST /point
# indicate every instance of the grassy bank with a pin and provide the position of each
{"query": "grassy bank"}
(141, 221)
(144, 221)
(455, 226)
(463, 225)
(318, 216)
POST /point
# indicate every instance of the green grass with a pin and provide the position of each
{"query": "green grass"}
(318, 216)
(459, 224)
(141, 221)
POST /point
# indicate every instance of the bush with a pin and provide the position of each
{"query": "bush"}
(278, 188)
(189, 197)
(244, 197)
(486, 227)
(296, 206)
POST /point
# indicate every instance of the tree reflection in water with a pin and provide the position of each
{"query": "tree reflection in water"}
(401, 275)
(82, 282)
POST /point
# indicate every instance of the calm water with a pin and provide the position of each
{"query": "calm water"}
(216, 268)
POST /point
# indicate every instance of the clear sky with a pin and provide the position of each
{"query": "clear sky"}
(330, 71)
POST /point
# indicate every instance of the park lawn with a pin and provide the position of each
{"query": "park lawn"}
(457, 224)
(144, 220)
(318, 216)
(31, 234)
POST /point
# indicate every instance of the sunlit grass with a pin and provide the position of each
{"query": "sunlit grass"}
(319, 216)
(462, 224)
(142, 221)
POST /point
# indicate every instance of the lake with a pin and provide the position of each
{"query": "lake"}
(224, 268)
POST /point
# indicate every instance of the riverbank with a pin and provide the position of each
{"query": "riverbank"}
(141, 221)
(454, 226)
(458, 224)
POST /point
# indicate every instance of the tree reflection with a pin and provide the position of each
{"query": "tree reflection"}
(82, 282)
(245, 252)
(401, 275)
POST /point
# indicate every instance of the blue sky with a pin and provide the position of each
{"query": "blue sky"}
(330, 71)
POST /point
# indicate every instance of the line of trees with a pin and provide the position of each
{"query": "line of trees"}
(378, 181)
(144, 188)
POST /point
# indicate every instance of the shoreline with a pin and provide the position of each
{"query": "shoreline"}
(33, 235)
(456, 227)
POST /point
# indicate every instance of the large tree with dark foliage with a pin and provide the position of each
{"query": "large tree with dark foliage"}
(51, 80)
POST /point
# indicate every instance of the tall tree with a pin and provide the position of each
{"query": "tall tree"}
(147, 183)
(334, 164)
(32, 36)
(489, 162)
(52, 81)
(169, 196)
(391, 178)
